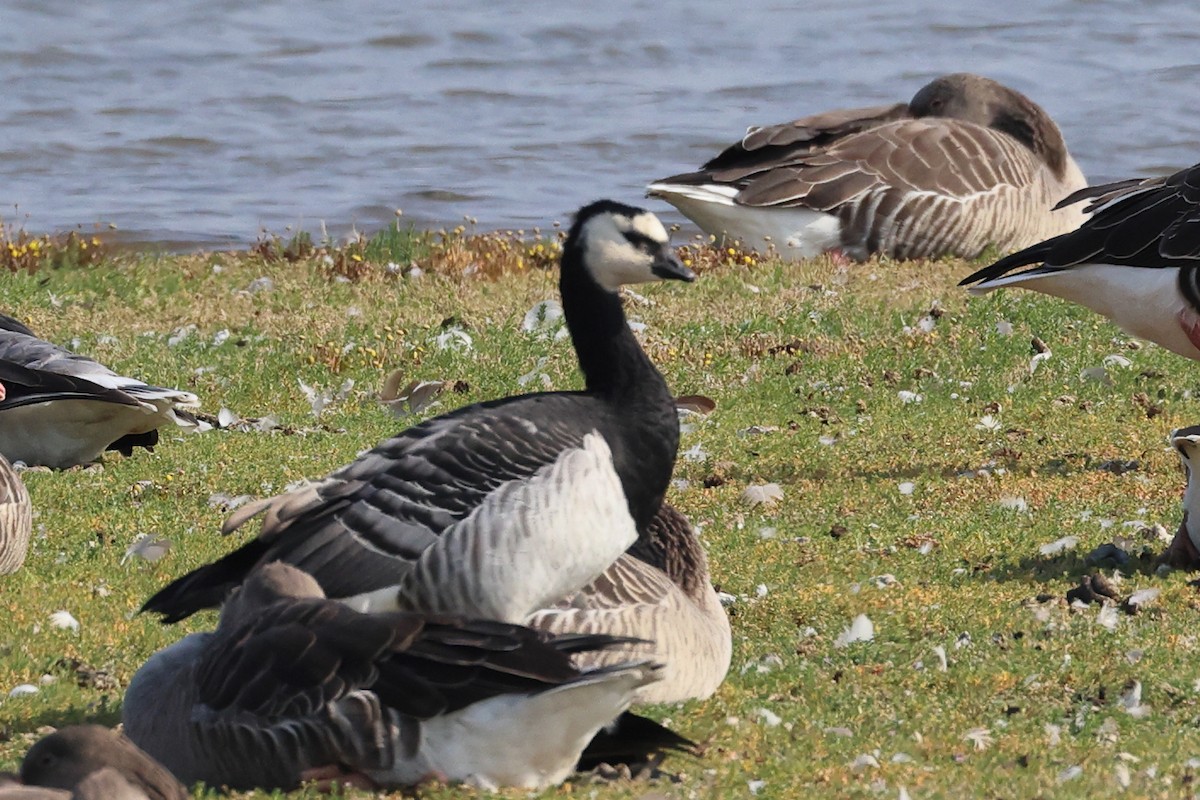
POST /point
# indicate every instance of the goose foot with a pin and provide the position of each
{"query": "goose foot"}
(837, 256)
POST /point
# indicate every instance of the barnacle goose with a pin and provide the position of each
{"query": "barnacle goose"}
(367, 525)
(1136, 260)
(1184, 550)
(64, 409)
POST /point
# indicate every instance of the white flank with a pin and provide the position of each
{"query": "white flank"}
(1144, 301)
(794, 233)
(530, 543)
(62, 433)
(519, 740)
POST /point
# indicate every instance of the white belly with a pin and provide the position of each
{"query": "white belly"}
(64, 433)
(1145, 302)
(794, 233)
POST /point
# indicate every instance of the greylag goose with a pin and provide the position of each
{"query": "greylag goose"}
(90, 762)
(103, 784)
(70, 409)
(367, 524)
(291, 684)
(658, 592)
(16, 516)
(1136, 260)
(968, 163)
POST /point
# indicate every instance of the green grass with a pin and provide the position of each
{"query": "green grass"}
(811, 353)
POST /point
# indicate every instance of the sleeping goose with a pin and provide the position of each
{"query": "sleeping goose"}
(103, 784)
(366, 525)
(16, 516)
(968, 163)
(1136, 260)
(70, 409)
(291, 684)
(1184, 550)
(90, 762)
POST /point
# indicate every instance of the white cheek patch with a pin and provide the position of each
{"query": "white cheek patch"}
(614, 262)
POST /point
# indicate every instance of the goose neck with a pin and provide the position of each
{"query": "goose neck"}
(612, 361)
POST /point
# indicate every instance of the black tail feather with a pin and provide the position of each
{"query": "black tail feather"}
(126, 443)
(1034, 254)
(206, 586)
(632, 740)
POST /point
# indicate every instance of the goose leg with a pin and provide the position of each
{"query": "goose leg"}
(839, 258)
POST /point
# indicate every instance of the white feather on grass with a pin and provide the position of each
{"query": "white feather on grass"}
(64, 620)
(760, 494)
(149, 547)
(1059, 546)
(860, 630)
(320, 399)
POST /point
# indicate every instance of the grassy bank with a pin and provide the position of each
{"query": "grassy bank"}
(924, 460)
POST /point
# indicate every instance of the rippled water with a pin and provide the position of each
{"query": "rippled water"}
(203, 122)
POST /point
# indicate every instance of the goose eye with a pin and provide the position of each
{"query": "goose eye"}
(641, 241)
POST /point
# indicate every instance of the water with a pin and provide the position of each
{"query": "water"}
(195, 123)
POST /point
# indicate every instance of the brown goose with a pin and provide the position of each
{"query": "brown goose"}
(966, 164)
(90, 762)
(16, 519)
(103, 784)
(291, 683)
(1136, 260)
(659, 592)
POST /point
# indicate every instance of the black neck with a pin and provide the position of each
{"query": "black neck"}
(643, 430)
(1189, 286)
(610, 357)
